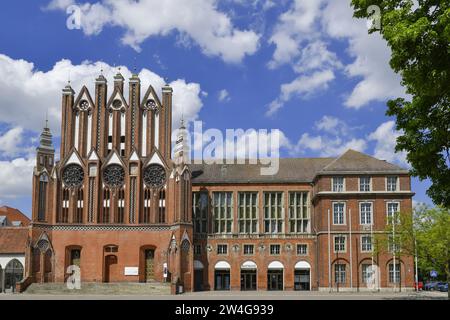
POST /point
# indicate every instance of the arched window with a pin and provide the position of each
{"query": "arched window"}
(79, 209)
(13, 274)
(106, 205)
(64, 217)
(162, 206)
(120, 206)
(147, 205)
(43, 180)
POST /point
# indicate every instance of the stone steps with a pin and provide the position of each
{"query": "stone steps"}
(93, 288)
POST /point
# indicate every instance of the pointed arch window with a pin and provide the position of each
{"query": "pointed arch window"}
(64, 218)
(162, 206)
(79, 209)
(43, 180)
(120, 206)
(106, 205)
(147, 205)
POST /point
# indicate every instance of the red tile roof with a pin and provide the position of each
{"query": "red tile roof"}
(13, 214)
(13, 239)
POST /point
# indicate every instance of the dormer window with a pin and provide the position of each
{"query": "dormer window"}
(338, 184)
(364, 184)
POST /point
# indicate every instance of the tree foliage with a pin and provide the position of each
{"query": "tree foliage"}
(418, 33)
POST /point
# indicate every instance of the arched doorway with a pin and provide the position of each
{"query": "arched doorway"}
(275, 276)
(222, 276)
(110, 267)
(302, 276)
(149, 264)
(13, 274)
(248, 276)
(198, 275)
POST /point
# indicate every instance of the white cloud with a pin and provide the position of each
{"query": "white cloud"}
(385, 137)
(26, 94)
(224, 96)
(327, 146)
(200, 20)
(16, 177)
(10, 142)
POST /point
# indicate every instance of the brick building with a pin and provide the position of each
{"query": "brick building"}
(121, 207)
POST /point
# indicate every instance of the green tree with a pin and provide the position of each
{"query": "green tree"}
(419, 38)
(425, 232)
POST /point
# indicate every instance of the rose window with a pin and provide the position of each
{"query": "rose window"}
(154, 176)
(114, 176)
(73, 175)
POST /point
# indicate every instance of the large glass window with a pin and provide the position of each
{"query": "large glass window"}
(339, 243)
(366, 243)
(248, 212)
(365, 210)
(391, 183)
(298, 212)
(273, 212)
(367, 271)
(338, 184)
(364, 183)
(394, 273)
(338, 213)
(339, 273)
(223, 212)
(392, 210)
(200, 211)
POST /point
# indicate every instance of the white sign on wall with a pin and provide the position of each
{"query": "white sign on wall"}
(131, 271)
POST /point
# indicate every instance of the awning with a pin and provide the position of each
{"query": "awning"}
(275, 265)
(198, 265)
(249, 265)
(222, 265)
(302, 265)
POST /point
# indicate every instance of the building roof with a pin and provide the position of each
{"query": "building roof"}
(12, 215)
(13, 239)
(291, 170)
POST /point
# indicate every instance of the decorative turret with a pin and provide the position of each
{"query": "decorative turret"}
(45, 151)
(118, 81)
(181, 150)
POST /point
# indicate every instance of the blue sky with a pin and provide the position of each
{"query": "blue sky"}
(305, 67)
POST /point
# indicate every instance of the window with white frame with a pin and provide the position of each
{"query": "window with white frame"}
(394, 273)
(223, 212)
(249, 249)
(275, 249)
(302, 249)
(392, 211)
(366, 243)
(338, 184)
(339, 273)
(338, 213)
(365, 213)
(339, 243)
(364, 184)
(391, 183)
(298, 212)
(222, 249)
(248, 212)
(393, 244)
(273, 212)
(367, 271)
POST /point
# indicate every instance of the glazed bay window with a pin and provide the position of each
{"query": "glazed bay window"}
(249, 249)
(339, 273)
(273, 212)
(365, 213)
(366, 243)
(275, 249)
(339, 244)
(223, 212)
(298, 212)
(338, 184)
(200, 211)
(302, 249)
(391, 183)
(364, 184)
(338, 213)
(222, 249)
(248, 212)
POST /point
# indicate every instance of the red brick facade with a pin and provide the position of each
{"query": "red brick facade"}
(120, 208)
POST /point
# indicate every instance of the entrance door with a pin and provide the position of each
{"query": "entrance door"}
(301, 280)
(198, 280)
(110, 264)
(248, 280)
(222, 280)
(149, 265)
(275, 280)
(13, 275)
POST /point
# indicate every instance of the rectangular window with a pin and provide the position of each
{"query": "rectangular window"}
(394, 273)
(275, 249)
(367, 271)
(338, 184)
(200, 211)
(339, 273)
(366, 243)
(249, 249)
(338, 213)
(393, 245)
(298, 212)
(248, 212)
(302, 249)
(391, 183)
(365, 213)
(273, 212)
(364, 184)
(339, 244)
(392, 211)
(197, 249)
(222, 249)
(223, 212)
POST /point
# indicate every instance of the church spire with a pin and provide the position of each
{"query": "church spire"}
(181, 151)
(45, 139)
